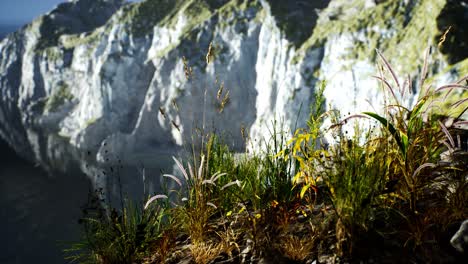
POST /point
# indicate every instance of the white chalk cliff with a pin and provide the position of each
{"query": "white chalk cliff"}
(99, 83)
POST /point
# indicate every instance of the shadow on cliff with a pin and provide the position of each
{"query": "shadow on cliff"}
(297, 18)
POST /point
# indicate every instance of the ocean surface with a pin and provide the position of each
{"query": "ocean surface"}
(5, 29)
(38, 212)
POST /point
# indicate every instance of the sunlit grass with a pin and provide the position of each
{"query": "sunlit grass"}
(298, 196)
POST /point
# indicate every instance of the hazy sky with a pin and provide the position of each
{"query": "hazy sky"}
(22, 11)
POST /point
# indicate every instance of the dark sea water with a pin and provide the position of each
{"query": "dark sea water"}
(38, 213)
(5, 29)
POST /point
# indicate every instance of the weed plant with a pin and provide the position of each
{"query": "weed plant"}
(403, 178)
(119, 237)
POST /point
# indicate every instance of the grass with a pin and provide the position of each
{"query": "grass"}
(401, 179)
(296, 248)
(119, 237)
(198, 205)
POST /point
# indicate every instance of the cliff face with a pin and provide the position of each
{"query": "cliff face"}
(98, 82)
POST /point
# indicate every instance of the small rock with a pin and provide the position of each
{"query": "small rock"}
(460, 240)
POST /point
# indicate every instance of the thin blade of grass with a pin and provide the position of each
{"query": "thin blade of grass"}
(389, 68)
(387, 85)
(212, 205)
(424, 71)
(390, 128)
(433, 105)
(462, 79)
(182, 169)
(174, 178)
(208, 182)
(461, 113)
(399, 106)
(459, 124)
(460, 102)
(344, 121)
(191, 173)
(236, 182)
(450, 87)
(417, 108)
(200, 170)
(154, 198)
(216, 176)
(410, 86)
(448, 146)
(447, 133)
(432, 165)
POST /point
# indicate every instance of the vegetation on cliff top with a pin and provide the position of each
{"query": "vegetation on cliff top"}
(401, 180)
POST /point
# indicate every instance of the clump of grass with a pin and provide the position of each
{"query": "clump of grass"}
(385, 167)
(417, 138)
(197, 202)
(302, 148)
(296, 248)
(61, 95)
(204, 253)
(416, 141)
(355, 176)
(119, 237)
(354, 170)
(252, 183)
(298, 196)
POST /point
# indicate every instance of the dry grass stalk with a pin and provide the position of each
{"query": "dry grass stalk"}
(297, 248)
(203, 253)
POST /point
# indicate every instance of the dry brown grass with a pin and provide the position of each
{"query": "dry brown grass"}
(161, 250)
(203, 253)
(296, 248)
(229, 238)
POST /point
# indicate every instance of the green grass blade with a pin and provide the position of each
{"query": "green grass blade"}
(390, 128)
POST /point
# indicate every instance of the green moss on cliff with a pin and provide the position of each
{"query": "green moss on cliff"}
(233, 7)
(72, 41)
(416, 37)
(61, 95)
(49, 33)
(53, 53)
(142, 17)
(195, 12)
(240, 12)
(402, 31)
